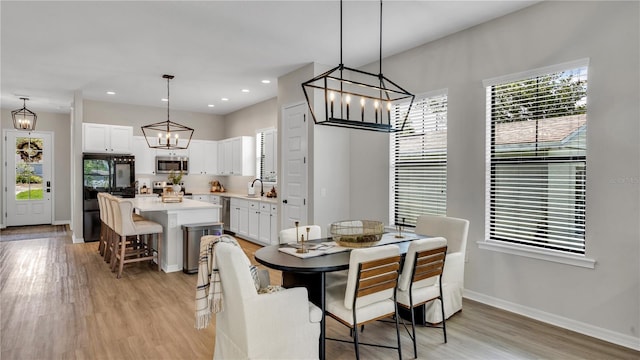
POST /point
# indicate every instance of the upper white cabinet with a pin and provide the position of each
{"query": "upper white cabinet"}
(173, 152)
(270, 155)
(110, 139)
(145, 156)
(203, 157)
(238, 156)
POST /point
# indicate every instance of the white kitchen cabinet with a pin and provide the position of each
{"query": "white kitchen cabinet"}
(109, 139)
(203, 157)
(215, 199)
(270, 155)
(239, 222)
(264, 234)
(222, 166)
(201, 197)
(273, 228)
(254, 220)
(238, 156)
(145, 156)
(173, 152)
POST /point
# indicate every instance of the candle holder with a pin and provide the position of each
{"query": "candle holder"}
(302, 249)
(399, 229)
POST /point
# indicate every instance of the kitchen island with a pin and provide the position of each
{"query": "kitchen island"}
(172, 216)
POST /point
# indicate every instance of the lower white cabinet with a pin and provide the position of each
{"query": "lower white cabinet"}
(274, 225)
(201, 197)
(239, 222)
(254, 220)
(264, 233)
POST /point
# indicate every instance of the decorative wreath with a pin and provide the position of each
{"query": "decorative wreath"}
(29, 150)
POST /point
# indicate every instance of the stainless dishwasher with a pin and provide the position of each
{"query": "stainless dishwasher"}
(225, 201)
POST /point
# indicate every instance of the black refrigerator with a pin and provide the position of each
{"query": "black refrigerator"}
(114, 174)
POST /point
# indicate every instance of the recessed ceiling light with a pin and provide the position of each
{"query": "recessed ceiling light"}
(111, 92)
(224, 99)
(266, 81)
(210, 105)
(165, 99)
(245, 90)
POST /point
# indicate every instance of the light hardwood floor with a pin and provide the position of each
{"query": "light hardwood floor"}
(60, 301)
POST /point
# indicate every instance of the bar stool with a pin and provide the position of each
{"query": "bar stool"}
(109, 232)
(103, 224)
(132, 242)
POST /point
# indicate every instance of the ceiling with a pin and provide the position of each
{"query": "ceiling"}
(50, 49)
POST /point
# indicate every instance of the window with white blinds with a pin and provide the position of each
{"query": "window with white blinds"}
(536, 171)
(419, 159)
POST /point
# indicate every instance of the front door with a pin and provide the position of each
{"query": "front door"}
(28, 177)
(294, 165)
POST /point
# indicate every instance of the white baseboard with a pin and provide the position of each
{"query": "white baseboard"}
(76, 240)
(563, 322)
(62, 222)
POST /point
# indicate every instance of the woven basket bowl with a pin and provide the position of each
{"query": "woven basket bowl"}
(357, 233)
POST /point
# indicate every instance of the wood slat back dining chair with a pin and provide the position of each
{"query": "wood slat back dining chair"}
(455, 230)
(134, 240)
(421, 279)
(369, 293)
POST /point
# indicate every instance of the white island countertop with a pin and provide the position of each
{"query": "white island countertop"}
(156, 204)
(174, 217)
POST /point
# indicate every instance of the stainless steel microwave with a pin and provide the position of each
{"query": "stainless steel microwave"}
(165, 164)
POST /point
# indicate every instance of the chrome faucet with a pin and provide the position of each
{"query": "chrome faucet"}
(261, 186)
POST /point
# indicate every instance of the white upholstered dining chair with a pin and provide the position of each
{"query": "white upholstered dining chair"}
(277, 325)
(455, 231)
(288, 236)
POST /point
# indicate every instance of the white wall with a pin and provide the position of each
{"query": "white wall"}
(605, 301)
(58, 124)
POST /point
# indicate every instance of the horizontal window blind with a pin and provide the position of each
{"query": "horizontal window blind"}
(419, 159)
(537, 160)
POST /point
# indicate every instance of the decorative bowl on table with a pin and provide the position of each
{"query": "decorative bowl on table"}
(357, 233)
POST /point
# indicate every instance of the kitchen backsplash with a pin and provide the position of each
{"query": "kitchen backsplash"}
(200, 183)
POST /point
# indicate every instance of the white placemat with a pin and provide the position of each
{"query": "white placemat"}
(316, 249)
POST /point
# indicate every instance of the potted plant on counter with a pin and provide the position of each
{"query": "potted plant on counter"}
(175, 178)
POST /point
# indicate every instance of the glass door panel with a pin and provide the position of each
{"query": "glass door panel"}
(29, 168)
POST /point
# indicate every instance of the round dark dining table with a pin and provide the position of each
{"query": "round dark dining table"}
(311, 272)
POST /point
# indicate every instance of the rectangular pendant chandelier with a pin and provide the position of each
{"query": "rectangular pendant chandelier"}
(355, 99)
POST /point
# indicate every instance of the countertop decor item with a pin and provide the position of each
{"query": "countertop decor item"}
(357, 99)
(272, 193)
(24, 119)
(167, 132)
(216, 186)
(357, 233)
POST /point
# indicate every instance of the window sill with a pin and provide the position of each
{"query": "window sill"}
(541, 254)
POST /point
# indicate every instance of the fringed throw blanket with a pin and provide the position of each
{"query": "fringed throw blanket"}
(209, 288)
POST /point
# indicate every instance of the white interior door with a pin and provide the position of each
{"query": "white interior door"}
(294, 165)
(28, 177)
